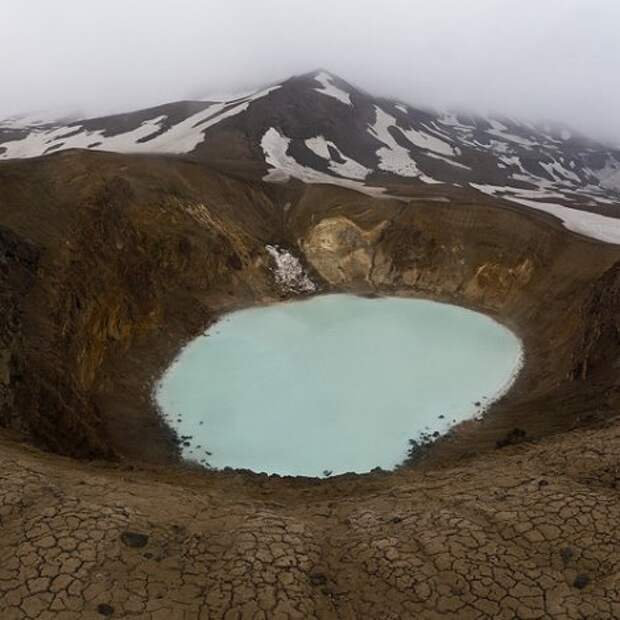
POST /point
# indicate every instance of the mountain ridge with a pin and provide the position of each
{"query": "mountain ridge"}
(318, 128)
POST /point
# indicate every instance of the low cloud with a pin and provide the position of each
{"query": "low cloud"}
(538, 59)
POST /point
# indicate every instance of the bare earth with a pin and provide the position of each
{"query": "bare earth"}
(528, 532)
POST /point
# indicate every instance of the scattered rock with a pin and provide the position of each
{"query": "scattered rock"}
(512, 438)
(318, 579)
(566, 554)
(105, 610)
(581, 581)
(134, 539)
(234, 262)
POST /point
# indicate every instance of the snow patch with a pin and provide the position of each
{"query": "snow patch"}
(181, 138)
(392, 157)
(452, 121)
(514, 161)
(609, 176)
(319, 146)
(496, 125)
(428, 142)
(228, 96)
(511, 138)
(559, 173)
(275, 146)
(448, 161)
(289, 272)
(593, 225)
(612, 181)
(347, 168)
(37, 142)
(40, 117)
(330, 89)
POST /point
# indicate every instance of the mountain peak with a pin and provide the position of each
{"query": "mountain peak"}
(318, 128)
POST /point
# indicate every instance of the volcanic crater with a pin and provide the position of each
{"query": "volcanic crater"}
(112, 263)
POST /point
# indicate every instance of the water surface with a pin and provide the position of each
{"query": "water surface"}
(336, 383)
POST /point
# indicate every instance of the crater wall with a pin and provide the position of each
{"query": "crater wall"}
(126, 258)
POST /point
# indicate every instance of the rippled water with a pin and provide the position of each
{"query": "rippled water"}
(336, 383)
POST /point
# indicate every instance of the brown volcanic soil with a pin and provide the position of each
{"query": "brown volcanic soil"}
(109, 263)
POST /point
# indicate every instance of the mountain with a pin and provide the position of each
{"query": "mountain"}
(317, 128)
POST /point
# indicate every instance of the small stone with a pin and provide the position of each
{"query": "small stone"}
(134, 539)
(105, 610)
(318, 579)
(512, 438)
(566, 554)
(581, 581)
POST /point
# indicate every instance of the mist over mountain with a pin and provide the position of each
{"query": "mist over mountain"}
(537, 61)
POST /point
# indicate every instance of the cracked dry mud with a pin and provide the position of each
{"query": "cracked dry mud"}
(526, 532)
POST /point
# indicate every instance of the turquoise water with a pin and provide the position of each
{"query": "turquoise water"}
(335, 383)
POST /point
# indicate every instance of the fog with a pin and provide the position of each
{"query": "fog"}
(534, 59)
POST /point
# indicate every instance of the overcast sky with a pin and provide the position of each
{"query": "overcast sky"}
(539, 59)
